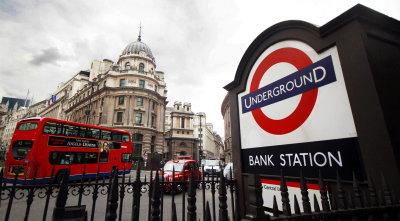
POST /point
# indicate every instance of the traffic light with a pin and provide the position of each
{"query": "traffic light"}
(201, 154)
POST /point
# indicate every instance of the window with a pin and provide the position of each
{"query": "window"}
(116, 136)
(50, 127)
(141, 83)
(122, 82)
(155, 88)
(153, 105)
(119, 117)
(139, 101)
(82, 131)
(182, 122)
(28, 126)
(61, 157)
(137, 150)
(93, 133)
(127, 66)
(105, 135)
(101, 115)
(137, 137)
(141, 67)
(138, 118)
(152, 120)
(125, 138)
(71, 130)
(121, 100)
(21, 148)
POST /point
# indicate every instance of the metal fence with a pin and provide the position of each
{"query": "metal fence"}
(134, 198)
(119, 197)
(357, 203)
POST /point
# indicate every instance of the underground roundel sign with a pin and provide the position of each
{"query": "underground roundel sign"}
(294, 95)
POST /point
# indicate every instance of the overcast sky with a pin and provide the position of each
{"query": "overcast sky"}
(197, 43)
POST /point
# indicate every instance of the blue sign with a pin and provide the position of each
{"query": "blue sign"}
(313, 76)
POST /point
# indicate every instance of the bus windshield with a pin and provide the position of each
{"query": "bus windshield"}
(21, 149)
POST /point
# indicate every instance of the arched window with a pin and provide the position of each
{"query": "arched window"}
(141, 67)
(127, 66)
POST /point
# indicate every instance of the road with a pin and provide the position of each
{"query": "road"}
(36, 212)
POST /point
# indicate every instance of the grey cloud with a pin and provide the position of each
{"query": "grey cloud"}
(9, 7)
(50, 55)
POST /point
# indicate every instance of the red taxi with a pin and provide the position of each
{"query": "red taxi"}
(179, 166)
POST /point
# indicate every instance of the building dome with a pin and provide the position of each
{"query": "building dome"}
(136, 47)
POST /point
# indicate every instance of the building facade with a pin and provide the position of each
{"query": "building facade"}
(226, 114)
(179, 129)
(129, 95)
(188, 133)
(11, 116)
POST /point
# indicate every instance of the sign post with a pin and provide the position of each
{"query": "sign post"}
(312, 99)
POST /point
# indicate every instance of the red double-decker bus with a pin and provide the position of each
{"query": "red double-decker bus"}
(44, 143)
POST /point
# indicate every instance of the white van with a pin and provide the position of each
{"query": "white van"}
(212, 165)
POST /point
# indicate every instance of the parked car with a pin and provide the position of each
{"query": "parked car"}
(212, 167)
(227, 171)
(179, 166)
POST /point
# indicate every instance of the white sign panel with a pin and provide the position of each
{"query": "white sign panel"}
(294, 99)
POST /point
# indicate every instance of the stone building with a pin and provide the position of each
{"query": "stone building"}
(180, 132)
(11, 116)
(64, 93)
(129, 95)
(188, 133)
(225, 111)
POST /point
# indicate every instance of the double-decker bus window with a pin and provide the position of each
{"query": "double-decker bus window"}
(28, 126)
(126, 157)
(62, 157)
(91, 157)
(115, 146)
(105, 135)
(93, 133)
(116, 136)
(60, 129)
(21, 148)
(50, 127)
(82, 132)
(125, 138)
(71, 130)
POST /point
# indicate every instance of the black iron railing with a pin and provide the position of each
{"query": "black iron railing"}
(354, 204)
(152, 197)
(155, 197)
